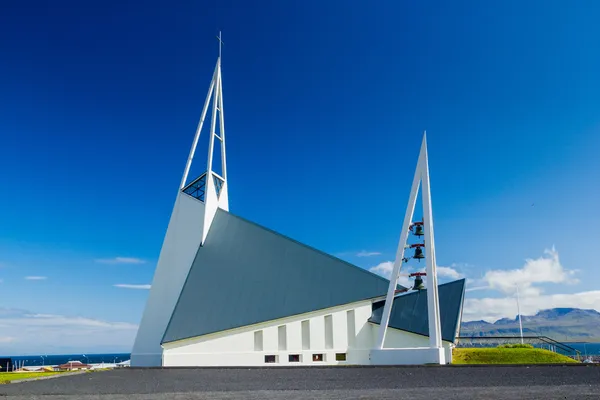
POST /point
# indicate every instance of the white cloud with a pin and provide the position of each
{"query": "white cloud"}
(365, 253)
(475, 288)
(120, 260)
(36, 278)
(492, 309)
(60, 334)
(546, 269)
(130, 286)
(448, 272)
(385, 269)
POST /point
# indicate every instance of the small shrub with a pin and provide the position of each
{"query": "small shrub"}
(516, 346)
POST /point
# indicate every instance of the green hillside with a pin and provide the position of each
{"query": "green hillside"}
(507, 356)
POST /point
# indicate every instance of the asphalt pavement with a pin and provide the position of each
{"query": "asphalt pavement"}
(448, 382)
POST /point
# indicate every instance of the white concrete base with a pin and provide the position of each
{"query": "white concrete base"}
(408, 356)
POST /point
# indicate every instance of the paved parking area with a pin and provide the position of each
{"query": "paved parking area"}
(449, 382)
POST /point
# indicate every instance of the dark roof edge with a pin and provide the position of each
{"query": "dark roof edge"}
(307, 246)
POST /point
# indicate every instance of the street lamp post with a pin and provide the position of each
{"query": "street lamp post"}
(519, 311)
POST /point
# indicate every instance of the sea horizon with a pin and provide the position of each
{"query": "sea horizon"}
(57, 359)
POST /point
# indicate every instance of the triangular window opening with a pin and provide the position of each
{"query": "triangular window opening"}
(218, 184)
(197, 188)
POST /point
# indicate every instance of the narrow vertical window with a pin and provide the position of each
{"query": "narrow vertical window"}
(305, 335)
(329, 332)
(282, 337)
(258, 341)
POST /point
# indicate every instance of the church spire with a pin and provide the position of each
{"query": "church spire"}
(210, 187)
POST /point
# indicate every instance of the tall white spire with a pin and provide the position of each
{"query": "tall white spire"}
(433, 306)
(195, 207)
(210, 187)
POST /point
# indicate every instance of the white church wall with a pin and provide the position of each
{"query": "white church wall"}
(408, 356)
(178, 252)
(236, 347)
(396, 339)
(294, 336)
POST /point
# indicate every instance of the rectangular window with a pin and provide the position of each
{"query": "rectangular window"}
(328, 332)
(340, 356)
(318, 357)
(305, 335)
(258, 341)
(294, 358)
(282, 337)
(270, 359)
(350, 321)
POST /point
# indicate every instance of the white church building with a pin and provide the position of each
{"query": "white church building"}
(229, 292)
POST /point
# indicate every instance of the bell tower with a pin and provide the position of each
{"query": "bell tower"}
(195, 207)
(210, 187)
(435, 352)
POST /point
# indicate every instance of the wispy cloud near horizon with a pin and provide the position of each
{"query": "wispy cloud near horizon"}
(365, 253)
(120, 260)
(476, 288)
(131, 286)
(36, 278)
(61, 334)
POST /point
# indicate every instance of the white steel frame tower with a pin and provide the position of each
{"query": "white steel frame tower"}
(195, 207)
(216, 189)
(435, 352)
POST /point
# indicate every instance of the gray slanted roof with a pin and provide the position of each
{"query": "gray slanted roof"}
(409, 312)
(246, 274)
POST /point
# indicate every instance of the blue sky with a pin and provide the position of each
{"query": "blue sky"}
(325, 106)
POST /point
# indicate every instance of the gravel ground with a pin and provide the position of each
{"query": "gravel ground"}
(451, 382)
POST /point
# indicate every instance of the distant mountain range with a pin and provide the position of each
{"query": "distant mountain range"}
(563, 324)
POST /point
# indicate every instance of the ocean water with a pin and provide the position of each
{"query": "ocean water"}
(591, 349)
(55, 359)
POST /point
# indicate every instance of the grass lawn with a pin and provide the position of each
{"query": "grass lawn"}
(507, 356)
(7, 377)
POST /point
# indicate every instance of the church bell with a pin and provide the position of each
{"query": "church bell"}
(418, 283)
(418, 230)
(418, 254)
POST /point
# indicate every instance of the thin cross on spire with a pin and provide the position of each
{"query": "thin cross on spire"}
(220, 43)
